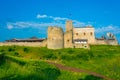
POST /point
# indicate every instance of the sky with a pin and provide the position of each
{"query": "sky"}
(28, 18)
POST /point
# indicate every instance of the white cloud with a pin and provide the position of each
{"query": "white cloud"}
(78, 23)
(9, 26)
(41, 16)
(56, 21)
(109, 28)
(59, 18)
(52, 17)
(20, 25)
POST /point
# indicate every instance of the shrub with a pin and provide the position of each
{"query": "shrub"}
(91, 77)
(16, 54)
(11, 49)
(2, 58)
(26, 50)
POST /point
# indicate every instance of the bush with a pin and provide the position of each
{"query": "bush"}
(91, 77)
(26, 50)
(2, 58)
(10, 49)
(16, 54)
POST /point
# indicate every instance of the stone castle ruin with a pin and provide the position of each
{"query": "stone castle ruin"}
(55, 38)
(73, 37)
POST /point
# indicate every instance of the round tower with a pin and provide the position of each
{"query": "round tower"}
(55, 38)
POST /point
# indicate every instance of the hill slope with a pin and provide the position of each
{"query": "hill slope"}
(102, 59)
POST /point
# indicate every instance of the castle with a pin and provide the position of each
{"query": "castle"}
(73, 37)
(76, 37)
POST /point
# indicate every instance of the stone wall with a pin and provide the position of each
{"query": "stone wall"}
(68, 39)
(69, 25)
(55, 38)
(99, 42)
(32, 44)
(107, 42)
(84, 33)
(112, 42)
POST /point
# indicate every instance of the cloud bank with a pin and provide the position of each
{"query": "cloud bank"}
(60, 21)
(109, 28)
(39, 16)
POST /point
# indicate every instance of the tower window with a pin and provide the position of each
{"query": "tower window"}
(77, 34)
(67, 40)
(91, 33)
(84, 33)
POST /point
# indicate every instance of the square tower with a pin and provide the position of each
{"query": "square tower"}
(68, 36)
(69, 26)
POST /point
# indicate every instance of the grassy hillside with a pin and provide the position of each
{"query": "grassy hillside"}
(25, 60)
(14, 68)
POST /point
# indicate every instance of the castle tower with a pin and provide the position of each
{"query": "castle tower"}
(55, 38)
(69, 26)
(68, 36)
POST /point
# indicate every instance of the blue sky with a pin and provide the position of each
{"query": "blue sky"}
(27, 18)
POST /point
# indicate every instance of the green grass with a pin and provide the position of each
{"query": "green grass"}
(15, 68)
(103, 59)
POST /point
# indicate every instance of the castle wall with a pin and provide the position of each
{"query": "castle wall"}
(55, 38)
(99, 42)
(32, 44)
(106, 42)
(84, 33)
(112, 42)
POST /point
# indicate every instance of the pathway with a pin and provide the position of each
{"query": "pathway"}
(60, 66)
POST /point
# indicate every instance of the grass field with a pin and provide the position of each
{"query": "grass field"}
(28, 63)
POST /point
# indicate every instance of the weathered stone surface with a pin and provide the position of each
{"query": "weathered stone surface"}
(68, 35)
(84, 33)
(55, 38)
